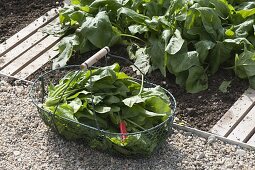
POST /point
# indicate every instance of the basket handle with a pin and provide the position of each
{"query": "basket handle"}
(93, 59)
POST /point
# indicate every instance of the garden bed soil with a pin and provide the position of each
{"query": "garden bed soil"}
(201, 110)
(16, 14)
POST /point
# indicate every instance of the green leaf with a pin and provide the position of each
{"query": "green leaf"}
(98, 30)
(132, 100)
(155, 92)
(112, 99)
(136, 17)
(197, 80)
(229, 33)
(66, 47)
(243, 29)
(245, 64)
(224, 86)
(157, 105)
(157, 54)
(246, 13)
(142, 61)
(66, 111)
(222, 8)
(134, 29)
(182, 62)
(203, 47)
(211, 22)
(102, 109)
(175, 43)
(135, 110)
(76, 104)
(219, 54)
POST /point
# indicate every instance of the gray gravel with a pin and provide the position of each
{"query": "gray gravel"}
(26, 143)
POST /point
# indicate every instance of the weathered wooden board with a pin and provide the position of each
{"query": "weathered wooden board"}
(21, 49)
(24, 46)
(235, 114)
(37, 63)
(245, 128)
(17, 38)
(28, 57)
(251, 141)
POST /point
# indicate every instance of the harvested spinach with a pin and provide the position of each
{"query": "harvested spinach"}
(110, 100)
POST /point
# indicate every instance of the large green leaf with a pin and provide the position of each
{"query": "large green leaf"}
(66, 47)
(203, 47)
(222, 8)
(197, 80)
(219, 54)
(175, 43)
(243, 29)
(157, 54)
(245, 64)
(140, 29)
(142, 61)
(182, 62)
(136, 17)
(76, 104)
(211, 22)
(132, 100)
(98, 29)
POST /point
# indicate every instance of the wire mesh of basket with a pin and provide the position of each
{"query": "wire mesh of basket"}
(140, 143)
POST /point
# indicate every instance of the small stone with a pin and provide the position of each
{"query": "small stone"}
(230, 165)
(211, 139)
(240, 152)
(221, 162)
(189, 110)
(200, 155)
(16, 153)
(25, 136)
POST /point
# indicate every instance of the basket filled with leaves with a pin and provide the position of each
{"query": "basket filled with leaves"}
(105, 107)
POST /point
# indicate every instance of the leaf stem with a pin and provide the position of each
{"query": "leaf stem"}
(130, 121)
(132, 36)
(141, 89)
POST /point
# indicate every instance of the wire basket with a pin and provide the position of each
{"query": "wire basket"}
(142, 143)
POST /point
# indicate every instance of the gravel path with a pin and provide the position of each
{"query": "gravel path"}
(26, 143)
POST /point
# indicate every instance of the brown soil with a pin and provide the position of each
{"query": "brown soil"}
(17, 14)
(201, 110)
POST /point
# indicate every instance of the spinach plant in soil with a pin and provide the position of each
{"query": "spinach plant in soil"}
(188, 38)
(110, 100)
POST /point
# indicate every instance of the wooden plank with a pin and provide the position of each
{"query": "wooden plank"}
(27, 31)
(26, 45)
(252, 140)
(21, 49)
(30, 55)
(245, 128)
(235, 114)
(39, 62)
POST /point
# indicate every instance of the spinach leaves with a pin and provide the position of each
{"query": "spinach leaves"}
(189, 38)
(106, 98)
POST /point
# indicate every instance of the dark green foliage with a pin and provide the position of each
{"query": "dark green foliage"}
(197, 36)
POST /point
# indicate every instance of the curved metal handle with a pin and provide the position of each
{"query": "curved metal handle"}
(93, 59)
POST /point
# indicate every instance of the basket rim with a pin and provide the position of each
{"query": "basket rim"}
(170, 117)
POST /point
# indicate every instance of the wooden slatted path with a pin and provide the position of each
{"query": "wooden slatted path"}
(238, 123)
(29, 49)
